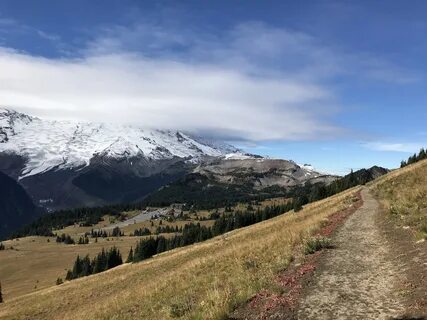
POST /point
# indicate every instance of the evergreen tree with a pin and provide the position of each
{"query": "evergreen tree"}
(161, 245)
(297, 206)
(100, 262)
(69, 275)
(103, 261)
(77, 268)
(65, 238)
(114, 258)
(415, 158)
(116, 232)
(86, 267)
(130, 256)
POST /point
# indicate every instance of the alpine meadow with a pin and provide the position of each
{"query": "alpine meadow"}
(213, 160)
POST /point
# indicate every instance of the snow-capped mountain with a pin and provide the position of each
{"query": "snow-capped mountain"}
(67, 164)
(64, 164)
(59, 145)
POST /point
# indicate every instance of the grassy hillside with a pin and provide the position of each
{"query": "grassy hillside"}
(31, 263)
(34, 263)
(202, 281)
(404, 193)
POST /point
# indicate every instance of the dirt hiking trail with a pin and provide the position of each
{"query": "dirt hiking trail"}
(357, 279)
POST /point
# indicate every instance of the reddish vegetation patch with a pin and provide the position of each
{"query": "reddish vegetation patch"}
(338, 218)
(267, 304)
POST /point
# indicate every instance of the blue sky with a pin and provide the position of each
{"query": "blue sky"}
(337, 84)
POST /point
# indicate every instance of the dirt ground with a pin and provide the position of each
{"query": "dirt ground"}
(358, 279)
(375, 270)
(411, 258)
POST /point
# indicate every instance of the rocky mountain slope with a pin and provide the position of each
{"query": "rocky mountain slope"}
(64, 164)
(48, 145)
(68, 164)
(261, 173)
(223, 182)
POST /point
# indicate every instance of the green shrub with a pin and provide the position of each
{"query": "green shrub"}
(313, 245)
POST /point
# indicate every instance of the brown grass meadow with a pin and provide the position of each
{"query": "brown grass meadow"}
(202, 281)
(404, 194)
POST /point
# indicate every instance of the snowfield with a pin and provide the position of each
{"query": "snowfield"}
(49, 144)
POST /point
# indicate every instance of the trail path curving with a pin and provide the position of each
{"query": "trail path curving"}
(357, 279)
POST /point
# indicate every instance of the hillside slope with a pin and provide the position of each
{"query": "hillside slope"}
(202, 281)
(404, 193)
(16, 207)
(378, 269)
(360, 276)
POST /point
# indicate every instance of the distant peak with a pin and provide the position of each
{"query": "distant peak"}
(5, 110)
(49, 144)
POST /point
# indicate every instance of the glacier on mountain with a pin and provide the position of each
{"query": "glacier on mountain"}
(52, 144)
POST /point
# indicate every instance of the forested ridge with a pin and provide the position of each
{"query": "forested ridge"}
(211, 198)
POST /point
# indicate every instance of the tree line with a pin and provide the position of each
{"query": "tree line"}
(192, 233)
(414, 158)
(191, 191)
(116, 232)
(141, 232)
(103, 261)
(44, 225)
(65, 238)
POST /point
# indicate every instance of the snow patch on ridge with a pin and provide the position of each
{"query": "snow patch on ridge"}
(238, 156)
(66, 144)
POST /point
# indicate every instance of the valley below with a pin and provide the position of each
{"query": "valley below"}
(266, 270)
(126, 222)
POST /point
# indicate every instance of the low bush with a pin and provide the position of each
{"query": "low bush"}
(313, 245)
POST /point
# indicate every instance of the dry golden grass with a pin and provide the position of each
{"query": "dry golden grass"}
(202, 281)
(77, 230)
(404, 193)
(34, 263)
(147, 224)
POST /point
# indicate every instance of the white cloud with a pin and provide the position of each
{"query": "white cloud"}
(252, 83)
(408, 147)
(198, 93)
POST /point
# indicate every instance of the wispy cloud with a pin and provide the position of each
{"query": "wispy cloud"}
(170, 82)
(15, 27)
(253, 46)
(164, 94)
(408, 147)
(254, 82)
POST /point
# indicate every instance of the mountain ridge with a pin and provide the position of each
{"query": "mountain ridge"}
(50, 144)
(73, 164)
